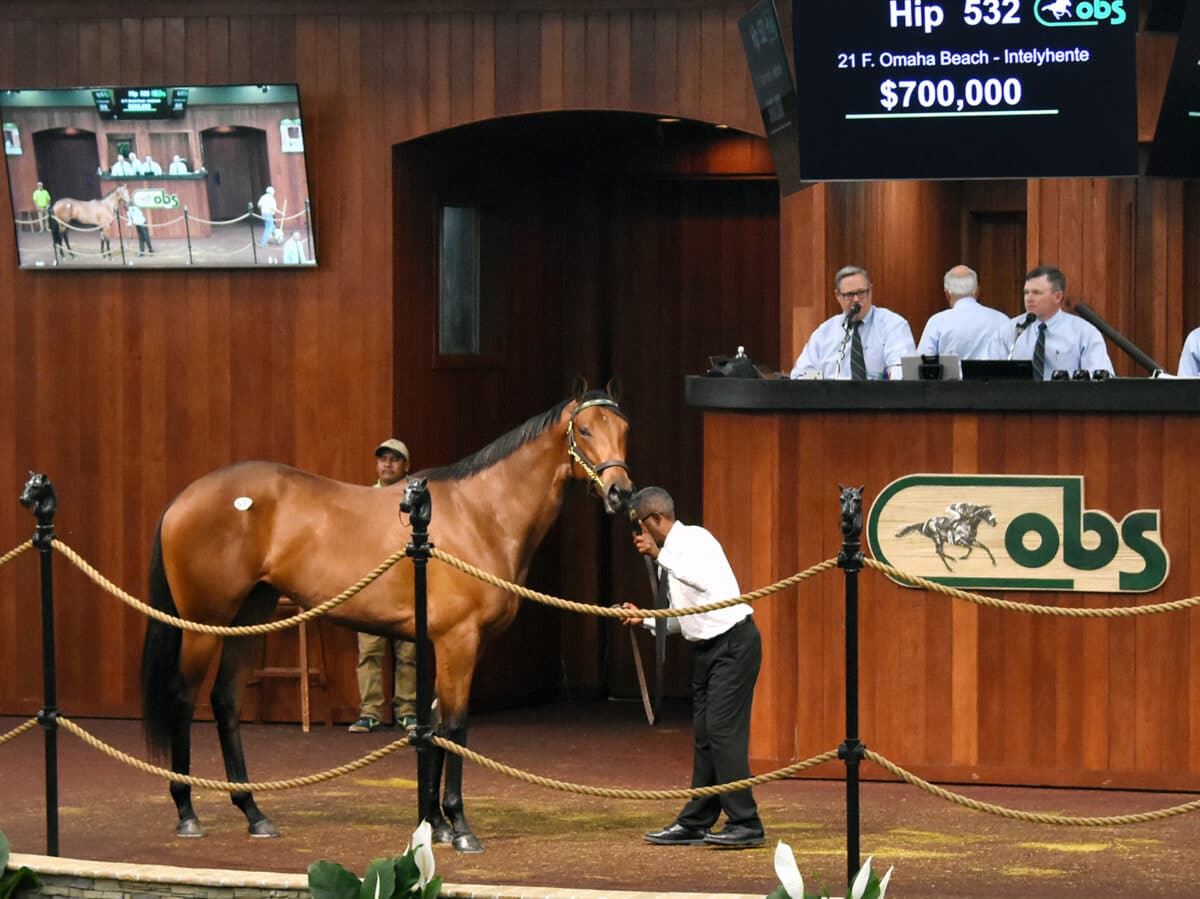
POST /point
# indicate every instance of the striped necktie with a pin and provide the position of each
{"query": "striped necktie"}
(1039, 354)
(858, 364)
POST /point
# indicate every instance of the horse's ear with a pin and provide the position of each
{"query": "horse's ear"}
(613, 389)
(579, 388)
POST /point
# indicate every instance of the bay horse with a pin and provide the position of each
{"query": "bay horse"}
(98, 213)
(235, 540)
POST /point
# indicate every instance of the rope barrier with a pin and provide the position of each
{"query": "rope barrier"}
(14, 552)
(184, 624)
(240, 218)
(18, 730)
(1033, 608)
(1032, 817)
(690, 793)
(266, 786)
(611, 612)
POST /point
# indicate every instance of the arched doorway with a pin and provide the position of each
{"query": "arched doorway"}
(607, 245)
(67, 162)
(239, 168)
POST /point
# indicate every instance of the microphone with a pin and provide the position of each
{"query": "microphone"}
(855, 308)
(1029, 319)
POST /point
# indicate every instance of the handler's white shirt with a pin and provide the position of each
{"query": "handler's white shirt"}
(698, 574)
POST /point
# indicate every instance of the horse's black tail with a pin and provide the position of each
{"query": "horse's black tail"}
(163, 694)
(909, 529)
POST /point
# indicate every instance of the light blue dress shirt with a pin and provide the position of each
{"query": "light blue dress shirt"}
(966, 328)
(885, 338)
(1071, 344)
(1189, 360)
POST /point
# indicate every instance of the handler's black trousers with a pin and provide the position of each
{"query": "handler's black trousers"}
(723, 676)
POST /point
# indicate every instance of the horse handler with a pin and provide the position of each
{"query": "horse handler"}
(727, 655)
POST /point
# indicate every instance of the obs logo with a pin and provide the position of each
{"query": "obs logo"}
(1061, 13)
(1014, 532)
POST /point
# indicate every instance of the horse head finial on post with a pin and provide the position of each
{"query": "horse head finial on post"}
(851, 501)
(39, 496)
(419, 508)
(416, 504)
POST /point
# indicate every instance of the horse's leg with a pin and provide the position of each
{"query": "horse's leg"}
(983, 546)
(456, 655)
(237, 660)
(940, 546)
(435, 758)
(195, 658)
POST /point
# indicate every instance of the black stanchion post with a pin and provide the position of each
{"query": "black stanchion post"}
(250, 225)
(417, 505)
(312, 250)
(850, 560)
(187, 230)
(39, 496)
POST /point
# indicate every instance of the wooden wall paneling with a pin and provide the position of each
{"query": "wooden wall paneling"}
(596, 38)
(666, 60)
(462, 70)
(529, 55)
(440, 66)
(416, 76)
(620, 60)
(565, 48)
(642, 62)
(483, 63)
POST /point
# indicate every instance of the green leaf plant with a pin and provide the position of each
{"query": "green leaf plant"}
(11, 881)
(398, 877)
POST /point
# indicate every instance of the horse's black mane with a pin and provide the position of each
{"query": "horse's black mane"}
(504, 445)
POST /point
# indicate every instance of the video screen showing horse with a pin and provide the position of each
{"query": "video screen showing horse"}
(168, 176)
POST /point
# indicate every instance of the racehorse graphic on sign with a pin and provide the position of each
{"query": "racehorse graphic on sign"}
(958, 527)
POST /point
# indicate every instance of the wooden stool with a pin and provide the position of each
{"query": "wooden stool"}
(303, 672)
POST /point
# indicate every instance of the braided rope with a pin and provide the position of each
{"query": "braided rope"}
(614, 612)
(692, 793)
(71, 227)
(18, 730)
(226, 786)
(240, 218)
(1033, 817)
(184, 624)
(1033, 608)
(14, 552)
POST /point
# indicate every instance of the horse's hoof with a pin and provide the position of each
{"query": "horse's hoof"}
(263, 828)
(442, 833)
(467, 842)
(189, 827)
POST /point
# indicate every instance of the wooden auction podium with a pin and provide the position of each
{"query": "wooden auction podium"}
(953, 691)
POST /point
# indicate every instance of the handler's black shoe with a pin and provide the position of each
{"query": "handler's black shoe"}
(736, 836)
(678, 835)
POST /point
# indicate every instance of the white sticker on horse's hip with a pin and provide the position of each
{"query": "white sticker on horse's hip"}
(242, 503)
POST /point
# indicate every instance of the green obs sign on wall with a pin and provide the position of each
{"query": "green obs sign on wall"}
(1014, 532)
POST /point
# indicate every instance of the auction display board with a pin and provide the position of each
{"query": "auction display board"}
(966, 88)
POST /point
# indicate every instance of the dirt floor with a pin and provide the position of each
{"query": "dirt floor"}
(537, 836)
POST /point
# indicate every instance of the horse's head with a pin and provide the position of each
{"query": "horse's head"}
(596, 429)
(986, 516)
(39, 496)
(122, 193)
(851, 501)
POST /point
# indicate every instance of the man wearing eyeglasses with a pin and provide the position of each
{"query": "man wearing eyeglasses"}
(727, 655)
(862, 345)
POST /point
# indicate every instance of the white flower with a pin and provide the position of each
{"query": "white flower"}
(422, 851)
(787, 871)
(861, 879)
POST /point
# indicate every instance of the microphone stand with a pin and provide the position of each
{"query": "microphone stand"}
(854, 309)
(1021, 326)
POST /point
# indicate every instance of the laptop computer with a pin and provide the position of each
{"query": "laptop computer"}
(997, 370)
(943, 367)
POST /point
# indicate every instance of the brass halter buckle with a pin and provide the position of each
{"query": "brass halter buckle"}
(592, 471)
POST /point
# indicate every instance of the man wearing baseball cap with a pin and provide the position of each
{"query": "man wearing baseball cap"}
(391, 464)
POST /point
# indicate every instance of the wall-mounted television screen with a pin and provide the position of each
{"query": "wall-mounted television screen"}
(971, 89)
(158, 176)
(1176, 148)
